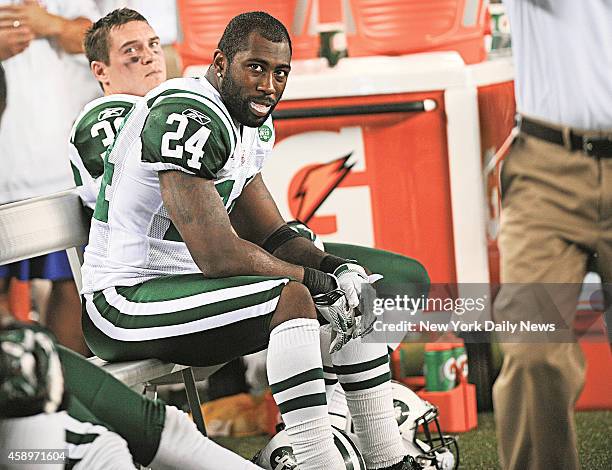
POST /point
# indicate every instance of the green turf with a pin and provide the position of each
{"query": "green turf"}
(478, 447)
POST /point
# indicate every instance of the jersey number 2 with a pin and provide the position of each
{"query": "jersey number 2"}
(194, 145)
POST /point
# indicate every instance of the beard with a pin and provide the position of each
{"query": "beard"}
(238, 105)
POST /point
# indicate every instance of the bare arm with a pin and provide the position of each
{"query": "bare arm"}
(70, 37)
(255, 217)
(196, 210)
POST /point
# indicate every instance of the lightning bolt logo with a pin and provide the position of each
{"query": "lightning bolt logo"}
(317, 184)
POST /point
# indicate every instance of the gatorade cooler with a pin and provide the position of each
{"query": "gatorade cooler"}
(457, 407)
(494, 80)
(385, 152)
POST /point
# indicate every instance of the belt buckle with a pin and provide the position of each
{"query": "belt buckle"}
(587, 145)
(599, 147)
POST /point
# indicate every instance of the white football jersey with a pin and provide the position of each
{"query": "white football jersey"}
(92, 133)
(181, 125)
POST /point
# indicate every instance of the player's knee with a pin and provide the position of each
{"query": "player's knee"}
(294, 302)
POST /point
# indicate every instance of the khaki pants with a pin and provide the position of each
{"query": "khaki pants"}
(557, 214)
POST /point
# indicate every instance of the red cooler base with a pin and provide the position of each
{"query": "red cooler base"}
(457, 407)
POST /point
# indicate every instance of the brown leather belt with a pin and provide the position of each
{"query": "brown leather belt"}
(596, 147)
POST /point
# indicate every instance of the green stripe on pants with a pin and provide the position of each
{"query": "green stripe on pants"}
(137, 419)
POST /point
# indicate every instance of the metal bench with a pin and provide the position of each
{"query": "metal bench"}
(57, 222)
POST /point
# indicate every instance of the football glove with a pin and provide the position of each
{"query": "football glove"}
(337, 339)
(350, 277)
(334, 308)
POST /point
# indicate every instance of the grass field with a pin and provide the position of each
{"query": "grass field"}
(478, 447)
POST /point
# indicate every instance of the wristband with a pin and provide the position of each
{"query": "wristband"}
(330, 263)
(280, 236)
(318, 282)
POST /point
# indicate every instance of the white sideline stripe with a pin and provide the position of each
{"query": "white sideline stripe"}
(128, 307)
(158, 332)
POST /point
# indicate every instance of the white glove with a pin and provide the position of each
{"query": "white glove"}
(334, 308)
(350, 277)
(338, 339)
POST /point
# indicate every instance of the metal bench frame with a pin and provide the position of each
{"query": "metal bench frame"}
(57, 222)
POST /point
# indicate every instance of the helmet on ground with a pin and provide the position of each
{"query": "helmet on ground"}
(306, 232)
(278, 455)
(31, 376)
(433, 450)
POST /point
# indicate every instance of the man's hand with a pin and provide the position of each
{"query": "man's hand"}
(14, 41)
(35, 17)
(68, 34)
(334, 308)
(15, 34)
(350, 278)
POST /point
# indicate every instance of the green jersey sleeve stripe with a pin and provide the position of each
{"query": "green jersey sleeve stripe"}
(219, 143)
(203, 98)
(99, 104)
(213, 107)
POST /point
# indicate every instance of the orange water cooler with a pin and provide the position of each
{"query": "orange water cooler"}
(385, 152)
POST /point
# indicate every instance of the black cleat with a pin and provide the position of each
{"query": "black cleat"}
(408, 463)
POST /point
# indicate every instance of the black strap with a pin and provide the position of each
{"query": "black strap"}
(280, 236)
(599, 147)
(330, 263)
(318, 282)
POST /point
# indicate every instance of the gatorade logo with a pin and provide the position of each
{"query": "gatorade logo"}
(322, 176)
(401, 411)
(448, 369)
(265, 133)
(283, 459)
(462, 364)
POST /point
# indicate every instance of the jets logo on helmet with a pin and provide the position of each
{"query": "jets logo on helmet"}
(401, 411)
(283, 459)
(278, 455)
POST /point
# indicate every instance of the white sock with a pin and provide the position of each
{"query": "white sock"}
(363, 371)
(183, 446)
(336, 400)
(295, 374)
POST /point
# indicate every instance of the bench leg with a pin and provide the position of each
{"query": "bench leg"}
(193, 399)
(150, 391)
